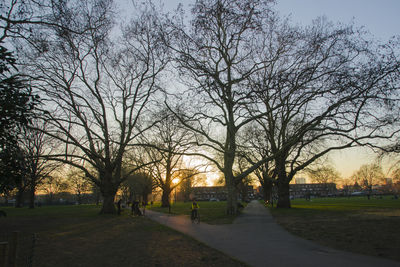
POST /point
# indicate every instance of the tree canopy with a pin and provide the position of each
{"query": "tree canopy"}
(244, 89)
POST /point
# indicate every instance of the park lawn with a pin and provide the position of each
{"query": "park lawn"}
(78, 236)
(354, 224)
(211, 212)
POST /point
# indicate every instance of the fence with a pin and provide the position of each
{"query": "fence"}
(17, 249)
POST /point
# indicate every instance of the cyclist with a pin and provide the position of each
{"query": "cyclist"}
(195, 207)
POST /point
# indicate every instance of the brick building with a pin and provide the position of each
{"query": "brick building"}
(306, 190)
(206, 193)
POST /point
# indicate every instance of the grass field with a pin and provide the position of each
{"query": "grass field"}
(354, 224)
(78, 236)
(210, 212)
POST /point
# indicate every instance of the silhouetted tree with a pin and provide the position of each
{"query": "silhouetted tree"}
(166, 147)
(53, 185)
(323, 174)
(324, 88)
(216, 57)
(96, 90)
(369, 175)
(78, 183)
(138, 186)
(17, 104)
(254, 146)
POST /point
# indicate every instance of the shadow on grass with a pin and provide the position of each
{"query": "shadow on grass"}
(78, 236)
(357, 225)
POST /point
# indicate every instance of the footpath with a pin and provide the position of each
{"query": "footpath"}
(256, 239)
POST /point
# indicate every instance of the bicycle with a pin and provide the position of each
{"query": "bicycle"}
(195, 217)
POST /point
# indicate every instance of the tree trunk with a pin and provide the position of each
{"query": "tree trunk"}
(267, 188)
(165, 202)
(145, 197)
(108, 205)
(79, 198)
(283, 194)
(19, 198)
(32, 196)
(108, 190)
(232, 201)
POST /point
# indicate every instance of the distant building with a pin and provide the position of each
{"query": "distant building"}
(207, 193)
(300, 180)
(307, 190)
(388, 181)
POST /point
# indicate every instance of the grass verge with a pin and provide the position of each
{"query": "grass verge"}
(210, 212)
(78, 236)
(356, 224)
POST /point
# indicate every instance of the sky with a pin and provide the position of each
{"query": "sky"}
(379, 17)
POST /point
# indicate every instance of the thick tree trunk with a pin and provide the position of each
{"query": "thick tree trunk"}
(108, 190)
(267, 188)
(19, 198)
(32, 196)
(282, 182)
(283, 194)
(232, 201)
(108, 205)
(165, 201)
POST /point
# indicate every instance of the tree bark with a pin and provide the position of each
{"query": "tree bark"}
(283, 194)
(232, 199)
(267, 188)
(19, 198)
(108, 205)
(32, 196)
(165, 201)
(108, 190)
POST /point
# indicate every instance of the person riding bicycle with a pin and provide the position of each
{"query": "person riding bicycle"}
(195, 208)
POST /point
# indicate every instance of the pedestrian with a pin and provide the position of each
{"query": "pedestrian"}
(132, 207)
(119, 206)
(135, 207)
(144, 208)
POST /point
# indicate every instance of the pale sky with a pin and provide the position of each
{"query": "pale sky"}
(380, 17)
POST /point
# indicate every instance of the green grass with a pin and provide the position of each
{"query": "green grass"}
(54, 211)
(345, 204)
(210, 212)
(354, 224)
(78, 236)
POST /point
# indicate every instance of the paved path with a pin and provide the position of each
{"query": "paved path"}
(257, 240)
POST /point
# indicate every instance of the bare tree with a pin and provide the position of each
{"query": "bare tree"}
(254, 146)
(37, 146)
(78, 183)
(369, 175)
(138, 185)
(19, 18)
(323, 174)
(166, 147)
(96, 91)
(325, 91)
(216, 57)
(53, 185)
